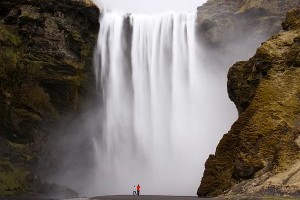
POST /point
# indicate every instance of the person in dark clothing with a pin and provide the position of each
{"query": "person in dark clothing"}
(138, 188)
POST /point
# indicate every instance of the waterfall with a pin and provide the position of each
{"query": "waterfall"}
(161, 104)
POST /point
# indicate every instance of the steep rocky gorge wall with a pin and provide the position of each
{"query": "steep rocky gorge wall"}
(233, 30)
(260, 154)
(222, 22)
(45, 74)
(46, 50)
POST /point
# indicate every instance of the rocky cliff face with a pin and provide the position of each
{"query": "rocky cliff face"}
(226, 21)
(261, 152)
(46, 48)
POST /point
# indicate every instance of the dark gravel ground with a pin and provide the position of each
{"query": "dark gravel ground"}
(141, 197)
(153, 197)
(40, 198)
(146, 197)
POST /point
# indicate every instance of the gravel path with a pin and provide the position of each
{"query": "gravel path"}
(120, 197)
(146, 197)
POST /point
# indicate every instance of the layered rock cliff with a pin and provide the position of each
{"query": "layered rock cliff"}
(46, 49)
(261, 153)
(225, 21)
(45, 59)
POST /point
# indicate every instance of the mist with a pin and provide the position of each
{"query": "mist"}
(148, 7)
(162, 105)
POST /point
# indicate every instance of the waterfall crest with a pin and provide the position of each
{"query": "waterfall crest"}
(158, 124)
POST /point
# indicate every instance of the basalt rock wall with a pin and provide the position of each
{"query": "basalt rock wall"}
(221, 22)
(46, 51)
(260, 154)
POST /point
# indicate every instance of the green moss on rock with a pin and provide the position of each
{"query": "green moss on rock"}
(13, 180)
(262, 142)
(45, 62)
(7, 37)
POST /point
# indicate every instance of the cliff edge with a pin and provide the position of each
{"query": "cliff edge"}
(46, 49)
(260, 155)
(227, 21)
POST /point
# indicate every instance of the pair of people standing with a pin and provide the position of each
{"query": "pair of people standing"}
(137, 191)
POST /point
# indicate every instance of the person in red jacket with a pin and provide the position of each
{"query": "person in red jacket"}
(138, 188)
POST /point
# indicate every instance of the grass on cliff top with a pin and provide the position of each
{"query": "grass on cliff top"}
(277, 48)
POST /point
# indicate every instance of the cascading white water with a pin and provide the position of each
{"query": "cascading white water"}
(161, 104)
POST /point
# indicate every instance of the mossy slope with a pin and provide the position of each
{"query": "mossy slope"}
(264, 141)
(46, 50)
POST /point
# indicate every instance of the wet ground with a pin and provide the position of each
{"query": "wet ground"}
(146, 197)
(141, 197)
(152, 197)
(191, 198)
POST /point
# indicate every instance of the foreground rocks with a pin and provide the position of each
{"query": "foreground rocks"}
(261, 153)
(46, 49)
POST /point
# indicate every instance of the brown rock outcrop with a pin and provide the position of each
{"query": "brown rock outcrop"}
(46, 49)
(260, 154)
(225, 21)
